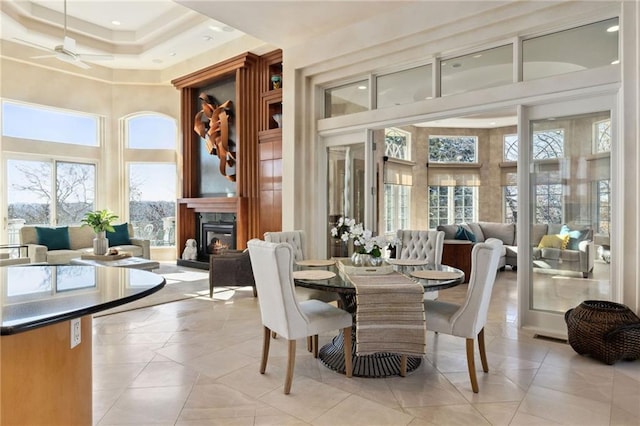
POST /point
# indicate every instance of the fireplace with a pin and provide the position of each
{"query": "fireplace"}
(216, 238)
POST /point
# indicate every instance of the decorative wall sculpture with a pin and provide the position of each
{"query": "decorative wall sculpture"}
(212, 124)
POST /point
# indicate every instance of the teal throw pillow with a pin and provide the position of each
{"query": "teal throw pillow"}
(464, 234)
(54, 238)
(575, 236)
(120, 236)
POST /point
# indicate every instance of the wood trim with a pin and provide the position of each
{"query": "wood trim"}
(212, 73)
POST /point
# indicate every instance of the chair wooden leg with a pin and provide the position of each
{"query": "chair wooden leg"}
(471, 365)
(310, 343)
(274, 334)
(266, 338)
(291, 362)
(255, 292)
(483, 353)
(348, 362)
(403, 365)
(315, 346)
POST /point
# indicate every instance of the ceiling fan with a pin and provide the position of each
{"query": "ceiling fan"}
(66, 51)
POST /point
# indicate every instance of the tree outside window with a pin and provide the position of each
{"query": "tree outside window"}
(397, 198)
(452, 204)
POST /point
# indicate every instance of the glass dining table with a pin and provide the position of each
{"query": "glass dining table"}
(334, 279)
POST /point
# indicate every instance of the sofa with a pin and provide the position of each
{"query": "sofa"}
(555, 246)
(55, 246)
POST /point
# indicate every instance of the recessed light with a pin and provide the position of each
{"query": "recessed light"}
(116, 23)
(493, 123)
(477, 56)
(172, 54)
(615, 62)
(215, 28)
(362, 87)
(613, 28)
(157, 61)
(207, 38)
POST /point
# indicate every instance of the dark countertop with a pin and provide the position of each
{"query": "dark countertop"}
(40, 295)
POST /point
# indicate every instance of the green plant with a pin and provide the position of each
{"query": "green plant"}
(99, 220)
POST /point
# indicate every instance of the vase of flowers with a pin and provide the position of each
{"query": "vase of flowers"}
(367, 248)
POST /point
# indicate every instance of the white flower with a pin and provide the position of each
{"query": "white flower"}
(347, 229)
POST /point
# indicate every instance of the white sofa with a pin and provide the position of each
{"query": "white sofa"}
(80, 242)
(578, 256)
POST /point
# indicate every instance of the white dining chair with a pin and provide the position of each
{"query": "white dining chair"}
(469, 318)
(297, 240)
(420, 245)
(282, 313)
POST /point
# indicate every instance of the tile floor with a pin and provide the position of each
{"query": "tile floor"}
(196, 361)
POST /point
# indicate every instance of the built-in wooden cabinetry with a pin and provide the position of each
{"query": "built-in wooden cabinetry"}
(256, 200)
(270, 142)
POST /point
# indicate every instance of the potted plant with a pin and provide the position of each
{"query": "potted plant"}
(100, 222)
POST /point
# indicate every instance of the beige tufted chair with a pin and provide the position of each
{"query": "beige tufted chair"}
(282, 313)
(297, 241)
(416, 244)
(468, 319)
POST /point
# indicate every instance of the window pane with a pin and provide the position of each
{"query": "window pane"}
(602, 135)
(347, 99)
(151, 132)
(511, 204)
(152, 202)
(404, 87)
(75, 191)
(546, 144)
(452, 149)
(510, 147)
(396, 144)
(397, 203)
(52, 125)
(29, 192)
(590, 46)
(479, 70)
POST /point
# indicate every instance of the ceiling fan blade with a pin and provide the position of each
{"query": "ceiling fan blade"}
(36, 45)
(72, 60)
(94, 57)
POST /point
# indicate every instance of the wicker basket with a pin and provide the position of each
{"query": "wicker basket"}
(606, 331)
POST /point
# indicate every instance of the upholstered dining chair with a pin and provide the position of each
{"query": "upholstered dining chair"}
(282, 313)
(469, 318)
(416, 244)
(297, 240)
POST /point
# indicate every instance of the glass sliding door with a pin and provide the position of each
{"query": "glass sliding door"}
(569, 217)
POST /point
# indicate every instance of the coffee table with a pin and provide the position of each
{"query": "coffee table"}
(127, 262)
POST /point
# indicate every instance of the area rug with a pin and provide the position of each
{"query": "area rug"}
(182, 283)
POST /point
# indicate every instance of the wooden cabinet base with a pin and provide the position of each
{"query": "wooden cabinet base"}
(457, 253)
(44, 381)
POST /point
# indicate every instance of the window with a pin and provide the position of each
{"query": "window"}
(566, 51)
(151, 132)
(404, 87)
(510, 147)
(453, 149)
(397, 144)
(53, 125)
(478, 70)
(49, 192)
(602, 136)
(548, 203)
(547, 144)
(452, 204)
(511, 204)
(397, 202)
(603, 201)
(347, 99)
(152, 179)
(398, 178)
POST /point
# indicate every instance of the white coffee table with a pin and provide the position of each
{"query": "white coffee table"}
(127, 262)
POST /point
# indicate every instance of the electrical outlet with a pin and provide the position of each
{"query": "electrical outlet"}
(76, 334)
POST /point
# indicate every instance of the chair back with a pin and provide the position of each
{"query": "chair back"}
(472, 315)
(295, 238)
(272, 265)
(415, 244)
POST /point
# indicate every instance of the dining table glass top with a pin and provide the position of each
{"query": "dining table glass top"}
(432, 277)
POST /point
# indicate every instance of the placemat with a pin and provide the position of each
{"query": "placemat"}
(408, 262)
(316, 262)
(313, 275)
(436, 275)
